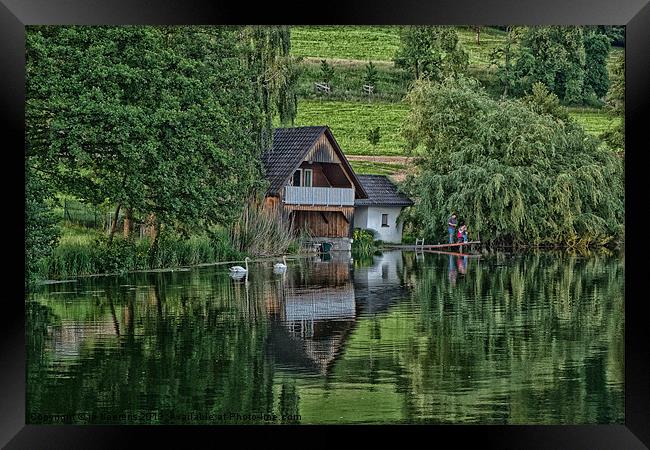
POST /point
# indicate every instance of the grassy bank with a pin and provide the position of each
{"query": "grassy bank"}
(360, 43)
(87, 251)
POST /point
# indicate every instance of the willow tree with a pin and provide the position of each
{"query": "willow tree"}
(274, 72)
(515, 173)
(161, 120)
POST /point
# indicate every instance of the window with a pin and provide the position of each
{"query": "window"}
(384, 220)
(296, 177)
(307, 177)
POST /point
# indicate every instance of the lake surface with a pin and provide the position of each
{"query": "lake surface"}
(535, 338)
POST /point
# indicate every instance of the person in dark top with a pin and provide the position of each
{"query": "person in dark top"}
(452, 223)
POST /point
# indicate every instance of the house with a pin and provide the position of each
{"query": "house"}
(313, 186)
(380, 210)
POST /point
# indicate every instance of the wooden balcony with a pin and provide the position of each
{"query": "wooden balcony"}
(323, 196)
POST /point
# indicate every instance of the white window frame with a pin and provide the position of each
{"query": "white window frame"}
(311, 177)
(387, 220)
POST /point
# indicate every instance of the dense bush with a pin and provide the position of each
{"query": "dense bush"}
(41, 233)
(363, 242)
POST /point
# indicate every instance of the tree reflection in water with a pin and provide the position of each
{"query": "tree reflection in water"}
(529, 338)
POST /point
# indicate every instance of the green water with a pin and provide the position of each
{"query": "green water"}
(536, 338)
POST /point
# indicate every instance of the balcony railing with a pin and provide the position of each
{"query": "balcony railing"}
(298, 195)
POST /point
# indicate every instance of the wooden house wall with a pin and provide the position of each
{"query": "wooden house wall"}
(322, 223)
(322, 151)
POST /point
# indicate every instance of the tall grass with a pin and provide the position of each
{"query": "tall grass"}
(88, 253)
(364, 243)
(262, 231)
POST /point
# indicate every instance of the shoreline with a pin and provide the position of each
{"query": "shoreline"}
(484, 248)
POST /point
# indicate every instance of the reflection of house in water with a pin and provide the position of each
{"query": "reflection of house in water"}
(67, 339)
(316, 307)
(312, 314)
(380, 285)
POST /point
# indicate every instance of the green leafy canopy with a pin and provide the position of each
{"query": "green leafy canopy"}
(515, 173)
(163, 120)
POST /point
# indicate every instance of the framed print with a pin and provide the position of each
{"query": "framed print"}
(400, 219)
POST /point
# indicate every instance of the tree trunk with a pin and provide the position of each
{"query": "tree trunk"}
(128, 222)
(114, 224)
(156, 232)
(150, 226)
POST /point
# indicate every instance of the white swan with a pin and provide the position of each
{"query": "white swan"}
(240, 269)
(280, 266)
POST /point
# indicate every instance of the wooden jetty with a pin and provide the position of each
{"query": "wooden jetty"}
(438, 252)
(431, 246)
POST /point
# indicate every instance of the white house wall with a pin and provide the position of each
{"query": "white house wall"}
(370, 217)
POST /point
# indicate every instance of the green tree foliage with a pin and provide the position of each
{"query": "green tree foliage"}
(41, 232)
(554, 56)
(614, 33)
(542, 101)
(326, 71)
(371, 75)
(275, 73)
(146, 117)
(513, 174)
(504, 58)
(596, 76)
(432, 51)
(615, 138)
(374, 136)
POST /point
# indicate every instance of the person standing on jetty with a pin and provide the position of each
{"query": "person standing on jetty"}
(452, 223)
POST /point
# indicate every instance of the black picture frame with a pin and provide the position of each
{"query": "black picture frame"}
(635, 14)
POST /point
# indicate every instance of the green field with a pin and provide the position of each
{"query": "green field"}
(351, 121)
(370, 43)
(362, 43)
(351, 114)
(594, 121)
(349, 79)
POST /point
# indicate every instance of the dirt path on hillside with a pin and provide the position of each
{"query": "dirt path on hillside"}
(404, 161)
(346, 62)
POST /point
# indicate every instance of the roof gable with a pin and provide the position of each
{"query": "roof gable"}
(291, 146)
(381, 192)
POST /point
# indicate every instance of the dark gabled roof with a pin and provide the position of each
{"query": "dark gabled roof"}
(290, 145)
(381, 192)
(289, 148)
